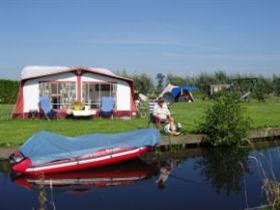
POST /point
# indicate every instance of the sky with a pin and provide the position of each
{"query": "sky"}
(143, 36)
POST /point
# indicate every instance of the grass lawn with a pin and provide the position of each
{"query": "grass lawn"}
(5, 111)
(264, 115)
(15, 132)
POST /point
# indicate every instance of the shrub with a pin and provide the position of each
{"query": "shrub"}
(8, 91)
(224, 121)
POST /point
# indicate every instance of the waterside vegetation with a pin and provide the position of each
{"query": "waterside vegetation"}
(225, 121)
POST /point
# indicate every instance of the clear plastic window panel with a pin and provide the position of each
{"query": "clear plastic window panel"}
(92, 93)
(61, 95)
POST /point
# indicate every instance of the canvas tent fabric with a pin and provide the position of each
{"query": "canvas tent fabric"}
(176, 90)
(44, 147)
(168, 88)
(36, 71)
(170, 92)
(169, 98)
(143, 97)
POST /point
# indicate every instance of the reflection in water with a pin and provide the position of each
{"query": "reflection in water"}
(165, 169)
(5, 166)
(224, 167)
(113, 175)
(266, 162)
(83, 181)
(42, 198)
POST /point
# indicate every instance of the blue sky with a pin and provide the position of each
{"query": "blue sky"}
(182, 37)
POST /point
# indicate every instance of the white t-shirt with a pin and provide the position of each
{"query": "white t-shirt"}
(161, 112)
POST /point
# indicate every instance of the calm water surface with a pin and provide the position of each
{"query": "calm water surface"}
(223, 178)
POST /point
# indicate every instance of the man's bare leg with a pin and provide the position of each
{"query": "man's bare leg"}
(171, 122)
(157, 120)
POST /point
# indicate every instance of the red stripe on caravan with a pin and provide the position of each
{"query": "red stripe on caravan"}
(79, 88)
(18, 109)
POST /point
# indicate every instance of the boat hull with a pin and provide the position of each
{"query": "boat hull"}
(89, 161)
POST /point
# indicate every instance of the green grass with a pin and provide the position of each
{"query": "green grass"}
(265, 114)
(15, 132)
(5, 111)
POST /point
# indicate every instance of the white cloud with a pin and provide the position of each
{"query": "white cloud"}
(229, 57)
(142, 42)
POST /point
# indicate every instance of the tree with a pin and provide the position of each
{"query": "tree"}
(276, 84)
(176, 80)
(160, 79)
(203, 81)
(221, 77)
(123, 73)
(143, 83)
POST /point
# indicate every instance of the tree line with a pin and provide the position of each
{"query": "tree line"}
(144, 83)
(8, 91)
(259, 84)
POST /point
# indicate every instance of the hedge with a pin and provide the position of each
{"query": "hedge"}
(8, 91)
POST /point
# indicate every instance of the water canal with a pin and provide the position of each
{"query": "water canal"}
(221, 178)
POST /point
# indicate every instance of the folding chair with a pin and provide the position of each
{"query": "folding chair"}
(150, 113)
(46, 107)
(107, 106)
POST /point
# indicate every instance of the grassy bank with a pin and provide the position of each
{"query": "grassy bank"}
(15, 132)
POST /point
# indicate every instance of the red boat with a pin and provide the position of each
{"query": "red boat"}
(51, 153)
(99, 158)
(119, 174)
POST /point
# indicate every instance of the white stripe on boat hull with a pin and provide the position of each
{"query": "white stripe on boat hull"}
(61, 165)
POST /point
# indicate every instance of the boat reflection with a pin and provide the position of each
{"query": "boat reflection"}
(115, 175)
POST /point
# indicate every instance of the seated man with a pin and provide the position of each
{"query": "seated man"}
(162, 114)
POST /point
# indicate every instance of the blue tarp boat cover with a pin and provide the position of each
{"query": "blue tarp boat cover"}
(44, 147)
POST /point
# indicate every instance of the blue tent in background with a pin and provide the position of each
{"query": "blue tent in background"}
(176, 90)
(172, 93)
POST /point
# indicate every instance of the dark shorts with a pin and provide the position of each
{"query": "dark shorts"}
(161, 120)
